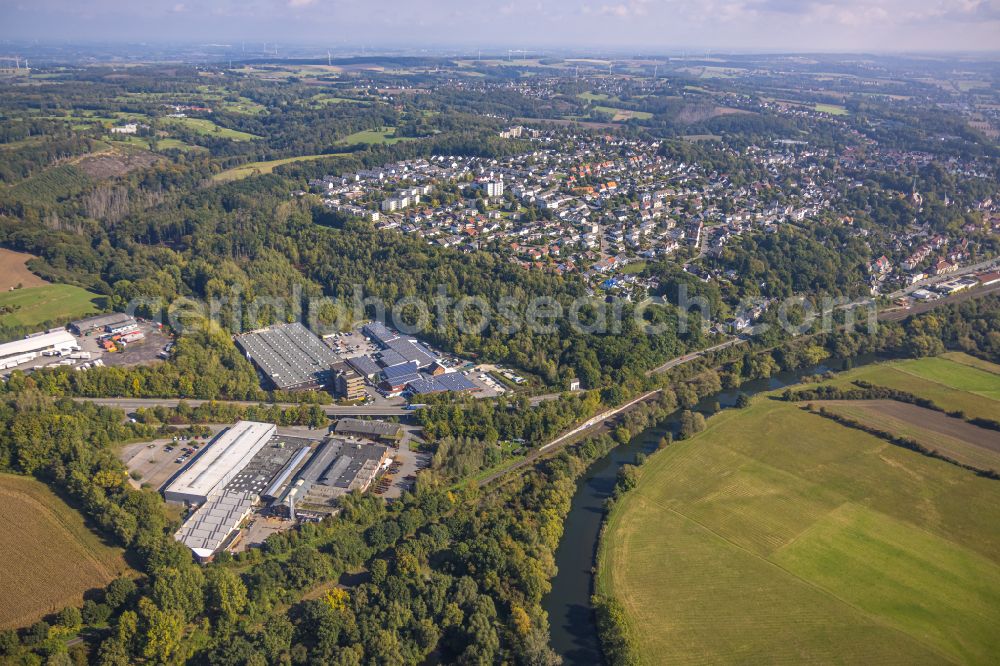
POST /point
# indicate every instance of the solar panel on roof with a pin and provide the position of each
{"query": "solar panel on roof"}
(453, 381)
(365, 365)
(425, 385)
(390, 358)
(400, 374)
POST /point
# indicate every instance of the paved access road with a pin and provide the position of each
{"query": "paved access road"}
(965, 270)
(917, 308)
(131, 404)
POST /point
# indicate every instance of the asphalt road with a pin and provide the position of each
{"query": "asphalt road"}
(917, 308)
(965, 270)
(131, 404)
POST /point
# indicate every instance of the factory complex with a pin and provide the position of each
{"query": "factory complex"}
(337, 468)
(13, 354)
(290, 357)
(404, 365)
(228, 454)
(251, 467)
(83, 344)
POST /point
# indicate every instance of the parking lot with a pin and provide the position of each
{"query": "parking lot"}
(156, 462)
(406, 464)
(489, 387)
(350, 344)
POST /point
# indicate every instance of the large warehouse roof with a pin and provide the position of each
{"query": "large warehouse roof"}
(38, 343)
(400, 374)
(454, 381)
(100, 321)
(450, 381)
(289, 354)
(412, 350)
(365, 366)
(339, 466)
(368, 428)
(220, 462)
(207, 528)
(379, 333)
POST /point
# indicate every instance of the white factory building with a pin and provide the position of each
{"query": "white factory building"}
(219, 462)
(15, 353)
(207, 529)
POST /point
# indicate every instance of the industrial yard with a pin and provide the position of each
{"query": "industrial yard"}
(252, 479)
(371, 363)
(114, 339)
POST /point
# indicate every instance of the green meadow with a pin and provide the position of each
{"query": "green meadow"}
(780, 536)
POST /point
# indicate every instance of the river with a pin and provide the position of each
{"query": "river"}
(573, 633)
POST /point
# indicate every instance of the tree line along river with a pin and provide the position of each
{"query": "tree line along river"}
(573, 630)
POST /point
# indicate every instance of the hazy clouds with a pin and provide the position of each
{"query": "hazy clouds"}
(639, 25)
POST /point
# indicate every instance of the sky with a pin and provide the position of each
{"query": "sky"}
(639, 26)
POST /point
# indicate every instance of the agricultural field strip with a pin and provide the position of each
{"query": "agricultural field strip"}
(972, 362)
(14, 271)
(917, 419)
(961, 450)
(932, 373)
(829, 593)
(47, 302)
(54, 516)
(892, 375)
(267, 166)
(74, 559)
(786, 594)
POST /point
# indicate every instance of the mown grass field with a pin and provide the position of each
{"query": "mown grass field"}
(779, 536)
(952, 385)
(50, 557)
(207, 127)
(386, 136)
(597, 97)
(258, 168)
(32, 306)
(965, 359)
(832, 109)
(621, 115)
(170, 144)
(964, 377)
